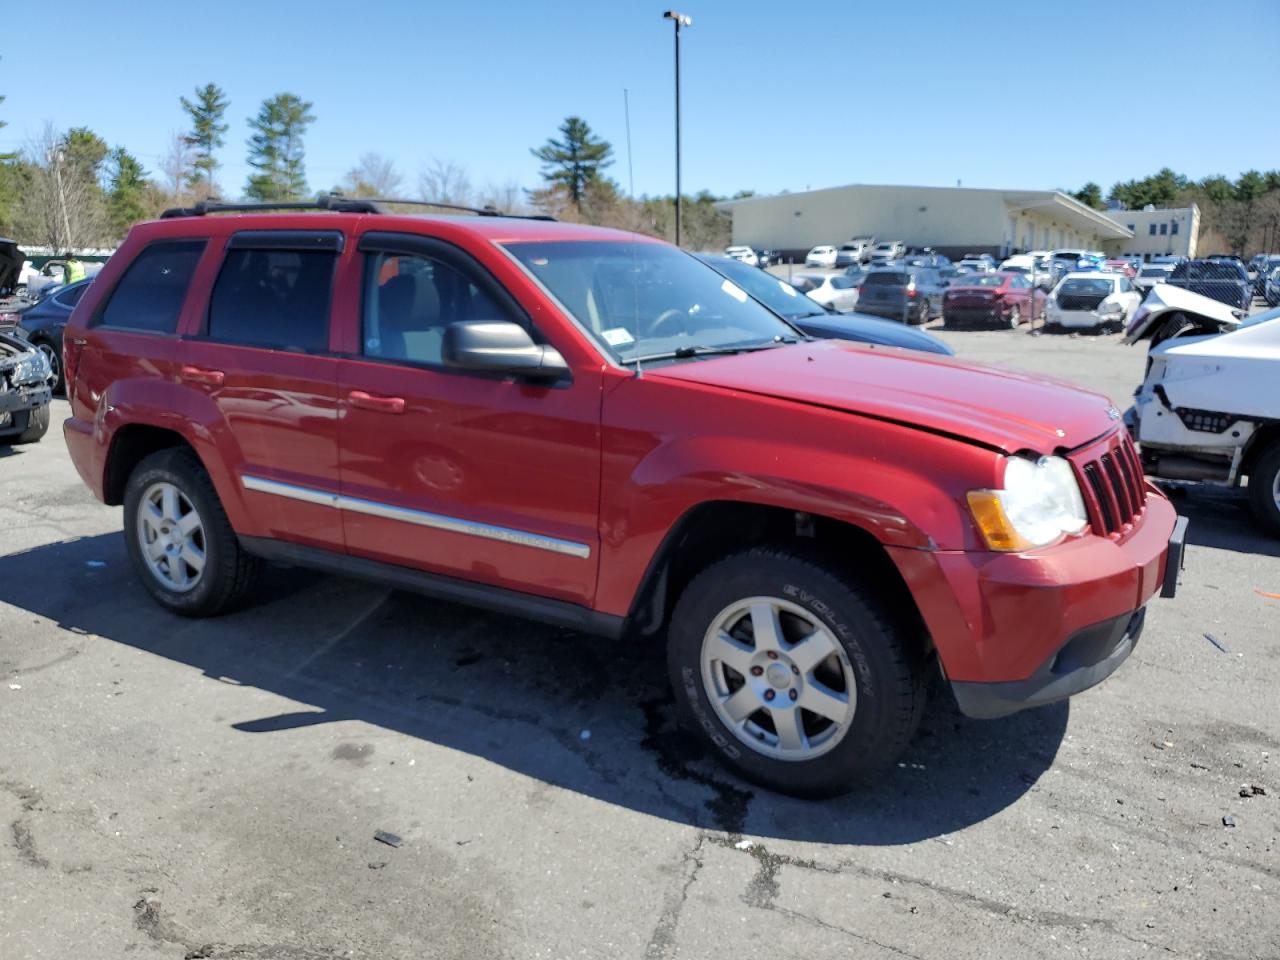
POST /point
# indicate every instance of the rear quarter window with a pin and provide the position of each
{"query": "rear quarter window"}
(277, 299)
(149, 296)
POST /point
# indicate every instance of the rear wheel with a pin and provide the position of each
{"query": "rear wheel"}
(792, 674)
(55, 362)
(180, 540)
(1264, 487)
(1015, 318)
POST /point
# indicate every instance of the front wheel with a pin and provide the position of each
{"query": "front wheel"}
(1015, 318)
(55, 363)
(180, 540)
(792, 674)
(1264, 487)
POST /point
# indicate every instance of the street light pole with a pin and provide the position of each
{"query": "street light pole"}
(56, 157)
(679, 19)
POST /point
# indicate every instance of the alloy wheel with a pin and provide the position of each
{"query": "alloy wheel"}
(171, 535)
(778, 678)
(55, 362)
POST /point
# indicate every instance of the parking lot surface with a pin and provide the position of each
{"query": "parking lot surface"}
(179, 788)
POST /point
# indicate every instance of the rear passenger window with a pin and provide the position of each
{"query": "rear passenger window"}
(149, 296)
(277, 299)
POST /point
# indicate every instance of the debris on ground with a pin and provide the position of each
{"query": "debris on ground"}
(15, 686)
(1263, 593)
(199, 953)
(1252, 790)
(390, 839)
(1228, 821)
(377, 864)
(1216, 642)
(743, 845)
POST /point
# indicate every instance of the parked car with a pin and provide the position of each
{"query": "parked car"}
(821, 257)
(1271, 291)
(975, 265)
(927, 259)
(42, 324)
(1207, 411)
(1223, 279)
(1265, 264)
(1004, 299)
(817, 321)
(1035, 269)
(743, 254)
(867, 244)
(1123, 267)
(850, 254)
(986, 258)
(593, 428)
(1169, 311)
(888, 250)
(1086, 300)
(834, 290)
(53, 275)
(905, 294)
(1150, 275)
(25, 392)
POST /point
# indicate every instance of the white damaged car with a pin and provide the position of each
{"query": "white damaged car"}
(1209, 410)
(1092, 301)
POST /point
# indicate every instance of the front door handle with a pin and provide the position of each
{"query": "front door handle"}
(367, 401)
(209, 378)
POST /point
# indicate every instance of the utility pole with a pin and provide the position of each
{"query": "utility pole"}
(55, 158)
(631, 177)
(679, 19)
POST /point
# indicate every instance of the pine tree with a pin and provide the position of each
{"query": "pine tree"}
(207, 130)
(1091, 196)
(575, 160)
(128, 191)
(276, 150)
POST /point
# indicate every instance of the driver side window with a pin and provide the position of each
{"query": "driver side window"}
(410, 299)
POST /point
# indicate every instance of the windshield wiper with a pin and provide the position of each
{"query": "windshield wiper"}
(685, 353)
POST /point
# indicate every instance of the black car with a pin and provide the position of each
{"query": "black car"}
(810, 318)
(1224, 280)
(905, 294)
(24, 392)
(42, 324)
(767, 258)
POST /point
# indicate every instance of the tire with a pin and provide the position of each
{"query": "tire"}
(1264, 487)
(53, 355)
(1015, 317)
(37, 426)
(227, 573)
(872, 656)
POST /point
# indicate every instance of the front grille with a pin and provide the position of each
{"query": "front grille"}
(1078, 302)
(1112, 483)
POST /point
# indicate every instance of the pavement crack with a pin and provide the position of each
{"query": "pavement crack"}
(662, 943)
(836, 928)
(26, 845)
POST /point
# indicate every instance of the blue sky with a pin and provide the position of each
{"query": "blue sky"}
(776, 96)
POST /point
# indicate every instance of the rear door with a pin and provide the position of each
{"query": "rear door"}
(461, 473)
(261, 358)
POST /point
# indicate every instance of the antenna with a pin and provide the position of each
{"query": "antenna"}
(631, 177)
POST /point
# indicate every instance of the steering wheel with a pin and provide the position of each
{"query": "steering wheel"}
(665, 319)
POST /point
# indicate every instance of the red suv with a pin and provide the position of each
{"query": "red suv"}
(595, 429)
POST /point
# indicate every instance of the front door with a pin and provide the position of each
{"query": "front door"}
(470, 475)
(263, 360)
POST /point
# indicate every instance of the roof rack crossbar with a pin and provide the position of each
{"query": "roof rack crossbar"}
(336, 203)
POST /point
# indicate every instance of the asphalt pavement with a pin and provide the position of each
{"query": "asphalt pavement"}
(173, 788)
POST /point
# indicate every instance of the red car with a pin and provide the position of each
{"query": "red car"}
(595, 429)
(1123, 267)
(1004, 299)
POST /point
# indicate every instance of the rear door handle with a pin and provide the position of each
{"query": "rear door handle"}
(210, 378)
(367, 401)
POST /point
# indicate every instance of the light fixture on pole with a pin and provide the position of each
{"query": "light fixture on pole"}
(680, 20)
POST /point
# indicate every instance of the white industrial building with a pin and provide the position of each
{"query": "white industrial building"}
(1156, 232)
(952, 220)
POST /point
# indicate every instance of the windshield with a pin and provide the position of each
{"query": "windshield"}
(985, 280)
(778, 295)
(886, 278)
(1085, 288)
(1154, 272)
(638, 299)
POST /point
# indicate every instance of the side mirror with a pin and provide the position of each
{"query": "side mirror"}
(500, 347)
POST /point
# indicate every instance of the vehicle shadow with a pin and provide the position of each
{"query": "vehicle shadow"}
(1221, 519)
(580, 713)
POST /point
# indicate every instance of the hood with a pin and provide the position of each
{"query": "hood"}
(995, 408)
(1164, 298)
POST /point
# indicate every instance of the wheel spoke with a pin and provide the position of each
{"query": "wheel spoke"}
(152, 516)
(812, 650)
(155, 549)
(786, 720)
(169, 503)
(766, 627)
(189, 524)
(193, 556)
(824, 701)
(740, 705)
(177, 571)
(730, 652)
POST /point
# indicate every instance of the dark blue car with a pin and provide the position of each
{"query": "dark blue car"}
(810, 318)
(1224, 280)
(42, 324)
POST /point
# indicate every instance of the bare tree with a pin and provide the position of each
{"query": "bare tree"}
(444, 181)
(177, 165)
(506, 197)
(63, 206)
(374, 176)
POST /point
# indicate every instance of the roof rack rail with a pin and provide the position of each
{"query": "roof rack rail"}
(337, 203)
